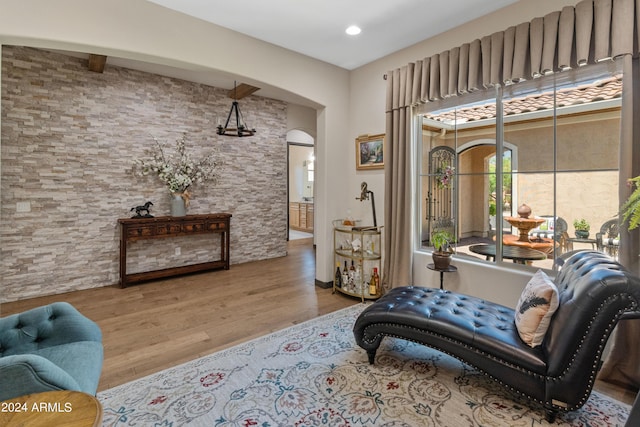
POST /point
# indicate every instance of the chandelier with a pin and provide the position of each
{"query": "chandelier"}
(241, 129)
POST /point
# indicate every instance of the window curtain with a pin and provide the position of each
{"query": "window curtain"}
(589, 32)
(398, 179)
(623, 363)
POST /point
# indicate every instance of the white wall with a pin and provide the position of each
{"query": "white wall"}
(301, 120)
(298, 157)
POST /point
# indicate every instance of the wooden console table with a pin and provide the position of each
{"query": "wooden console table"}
(134, 229)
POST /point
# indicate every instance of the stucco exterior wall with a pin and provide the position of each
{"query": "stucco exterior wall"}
(587, 161)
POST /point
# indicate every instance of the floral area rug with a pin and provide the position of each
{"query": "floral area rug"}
(314, 374)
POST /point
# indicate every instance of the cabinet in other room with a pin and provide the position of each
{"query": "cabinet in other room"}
(301, 216)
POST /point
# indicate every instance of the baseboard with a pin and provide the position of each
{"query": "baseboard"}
(324, 285)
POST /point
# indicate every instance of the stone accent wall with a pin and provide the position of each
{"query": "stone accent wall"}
(69, 138)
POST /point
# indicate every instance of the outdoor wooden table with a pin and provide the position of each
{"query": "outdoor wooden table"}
(592, 242)
(518, 254)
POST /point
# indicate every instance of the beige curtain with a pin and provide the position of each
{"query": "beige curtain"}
(623, 364)
(398, 197)
(591, 32)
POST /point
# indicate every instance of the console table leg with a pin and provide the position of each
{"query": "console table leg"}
(123, 263)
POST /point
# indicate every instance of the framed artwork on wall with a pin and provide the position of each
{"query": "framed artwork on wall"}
(369, 152)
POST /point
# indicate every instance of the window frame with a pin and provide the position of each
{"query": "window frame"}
(499, 93)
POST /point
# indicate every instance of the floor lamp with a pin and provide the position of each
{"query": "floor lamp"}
(364, 195)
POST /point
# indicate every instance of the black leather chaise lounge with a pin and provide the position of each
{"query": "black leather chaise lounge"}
(594, 292)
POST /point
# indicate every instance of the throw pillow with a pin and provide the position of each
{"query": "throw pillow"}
(534, 310)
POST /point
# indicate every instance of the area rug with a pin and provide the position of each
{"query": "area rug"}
(314, 374)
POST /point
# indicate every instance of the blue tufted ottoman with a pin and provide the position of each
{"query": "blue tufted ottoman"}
(594, 293)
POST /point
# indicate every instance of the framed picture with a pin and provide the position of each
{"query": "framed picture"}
(369, 152)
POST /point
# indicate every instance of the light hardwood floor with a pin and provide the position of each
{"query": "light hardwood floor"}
(153, 326)
(156, 325)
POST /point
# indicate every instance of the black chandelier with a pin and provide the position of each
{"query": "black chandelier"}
(241, 128)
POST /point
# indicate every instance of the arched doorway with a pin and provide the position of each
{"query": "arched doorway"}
(477, 199)
(300, 184)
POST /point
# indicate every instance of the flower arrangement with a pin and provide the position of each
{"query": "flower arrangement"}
(177, 170)
(444, 176)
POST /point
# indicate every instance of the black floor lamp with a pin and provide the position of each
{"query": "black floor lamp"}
(364, 195)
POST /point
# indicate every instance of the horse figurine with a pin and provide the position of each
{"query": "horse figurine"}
(143, 208)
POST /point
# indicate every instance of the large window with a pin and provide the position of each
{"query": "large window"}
(551, 144)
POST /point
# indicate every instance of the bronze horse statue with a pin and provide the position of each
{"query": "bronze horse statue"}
(143, 208)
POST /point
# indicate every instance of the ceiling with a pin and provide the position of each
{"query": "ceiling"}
(316, 28)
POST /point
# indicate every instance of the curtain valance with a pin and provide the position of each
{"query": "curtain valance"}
(590, 32)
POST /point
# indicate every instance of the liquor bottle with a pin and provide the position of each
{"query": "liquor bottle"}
(352, 276)
(374, 284)
(338, 278)
(345, 276)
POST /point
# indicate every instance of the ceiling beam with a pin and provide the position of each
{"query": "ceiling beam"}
(242, 90)
(97, 63)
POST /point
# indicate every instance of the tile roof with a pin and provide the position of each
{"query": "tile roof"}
(600, 90)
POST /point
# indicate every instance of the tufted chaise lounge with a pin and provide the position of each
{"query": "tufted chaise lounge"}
(53, 347)
(594, 293)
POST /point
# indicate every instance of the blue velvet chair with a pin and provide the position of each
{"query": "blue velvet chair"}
(53, 347)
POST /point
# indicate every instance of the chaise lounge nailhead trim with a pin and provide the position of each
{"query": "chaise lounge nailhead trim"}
(595, 292)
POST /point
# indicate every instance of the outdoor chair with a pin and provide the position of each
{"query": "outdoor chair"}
(608, 238)
(553, 228)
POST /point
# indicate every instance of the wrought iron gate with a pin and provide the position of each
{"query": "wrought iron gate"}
(441, 195)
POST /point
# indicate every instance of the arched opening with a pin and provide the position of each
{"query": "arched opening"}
(300, 184)
(477, 198)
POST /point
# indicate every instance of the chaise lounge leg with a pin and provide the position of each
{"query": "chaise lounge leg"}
(372, 356)
(550, 415)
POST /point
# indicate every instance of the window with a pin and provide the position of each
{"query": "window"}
(551, 144)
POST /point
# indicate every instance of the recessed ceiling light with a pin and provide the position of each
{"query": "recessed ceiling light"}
(353, 30)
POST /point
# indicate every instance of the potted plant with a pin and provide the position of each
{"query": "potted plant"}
(441, 241)
(582, 228)
(631, 207)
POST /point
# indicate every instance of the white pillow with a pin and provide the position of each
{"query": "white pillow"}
(538, 302)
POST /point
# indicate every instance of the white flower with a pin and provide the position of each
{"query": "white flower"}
(177, 170)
